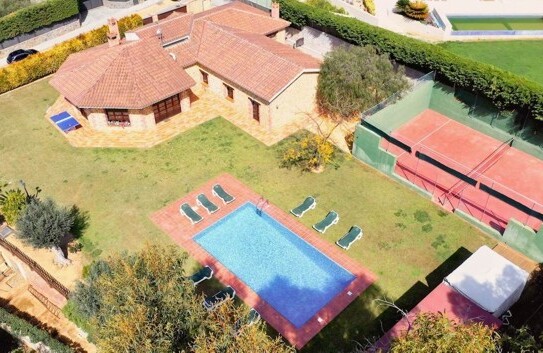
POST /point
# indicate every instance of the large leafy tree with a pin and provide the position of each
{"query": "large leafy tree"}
(225, 332)
(436, 333)
(143, 302)
(353, 79)
(44, 223)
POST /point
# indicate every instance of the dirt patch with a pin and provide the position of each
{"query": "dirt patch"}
(67, 275)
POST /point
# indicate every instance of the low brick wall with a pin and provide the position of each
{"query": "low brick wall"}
(70, 25)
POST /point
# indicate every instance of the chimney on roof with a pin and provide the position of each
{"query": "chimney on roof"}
(113, 35)
(275, 10)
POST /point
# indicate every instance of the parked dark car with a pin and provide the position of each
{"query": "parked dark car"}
(20, 54)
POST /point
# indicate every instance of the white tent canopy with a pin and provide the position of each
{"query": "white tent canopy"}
(489, 280)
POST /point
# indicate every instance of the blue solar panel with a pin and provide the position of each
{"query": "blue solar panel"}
(68, 124)
(59, 117)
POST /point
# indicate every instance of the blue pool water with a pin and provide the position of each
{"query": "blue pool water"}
(287, 272)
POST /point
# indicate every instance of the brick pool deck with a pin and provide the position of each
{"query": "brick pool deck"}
(181, 231)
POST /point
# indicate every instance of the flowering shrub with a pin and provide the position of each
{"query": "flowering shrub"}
(309, 153)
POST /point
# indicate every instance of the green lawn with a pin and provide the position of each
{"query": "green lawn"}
(408, 242)
(522, 57)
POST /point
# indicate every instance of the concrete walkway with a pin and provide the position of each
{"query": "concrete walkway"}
(95, 18)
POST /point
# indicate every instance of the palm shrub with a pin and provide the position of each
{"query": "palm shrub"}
(402, 4)
(417, 10)
(369, 5)
(44, 223)
(12, 205)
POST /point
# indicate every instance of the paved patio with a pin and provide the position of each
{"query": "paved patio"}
(204, 107)
(181, 231)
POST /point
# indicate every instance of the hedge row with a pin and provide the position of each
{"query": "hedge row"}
(21, 328)
(48, 62)
(503, 88)
(36, 16)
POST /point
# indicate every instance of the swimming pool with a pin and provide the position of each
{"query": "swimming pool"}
(288, 273)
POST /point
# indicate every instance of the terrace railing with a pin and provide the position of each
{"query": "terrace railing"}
(34, 266)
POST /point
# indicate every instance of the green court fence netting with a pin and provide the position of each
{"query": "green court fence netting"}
(474, 195)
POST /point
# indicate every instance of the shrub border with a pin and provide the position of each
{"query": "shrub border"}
(505, 89)
(39, 15)
(48, 62)
(20, 328)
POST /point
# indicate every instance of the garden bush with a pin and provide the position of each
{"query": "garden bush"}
(503, 88)
(326, 5)
(36, 16)
(48, 62)
(9, 6)
(307, 152)
(21, 328)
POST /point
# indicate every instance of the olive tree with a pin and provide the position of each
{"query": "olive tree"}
(44, 223)
(353, 79)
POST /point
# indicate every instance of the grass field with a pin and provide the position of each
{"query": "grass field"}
(496, 23)
(409, 243)
(522, 57)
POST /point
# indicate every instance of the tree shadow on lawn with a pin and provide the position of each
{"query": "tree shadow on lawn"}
(359, 323)
(81, 221)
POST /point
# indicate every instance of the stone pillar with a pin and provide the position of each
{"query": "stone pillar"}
(97, 119)
(275, 10)
(113, 36)
(281, 36)
(142, 119)
(185, 101)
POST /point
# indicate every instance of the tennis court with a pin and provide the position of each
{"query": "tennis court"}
(466, 23)
(466, 170)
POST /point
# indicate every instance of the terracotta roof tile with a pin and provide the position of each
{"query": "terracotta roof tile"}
(256, 63)
(241, 19)
(227, 40)
(132, 75)
(173, 27)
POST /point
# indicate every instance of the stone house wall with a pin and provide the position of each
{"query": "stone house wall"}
(296, 100)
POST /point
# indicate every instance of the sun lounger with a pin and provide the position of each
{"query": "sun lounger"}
(202, 275)
(348, 239)
(330, 219)
(218, 191)
(210, 303)
(203, 201)
(188, 212)
(4, 232)
(252, 318)
(308, 204)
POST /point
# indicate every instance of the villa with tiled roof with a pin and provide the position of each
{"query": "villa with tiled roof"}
(234, 51)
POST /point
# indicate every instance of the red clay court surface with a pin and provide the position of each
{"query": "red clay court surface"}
(510, 171)
(181, 231)
(447, 301)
